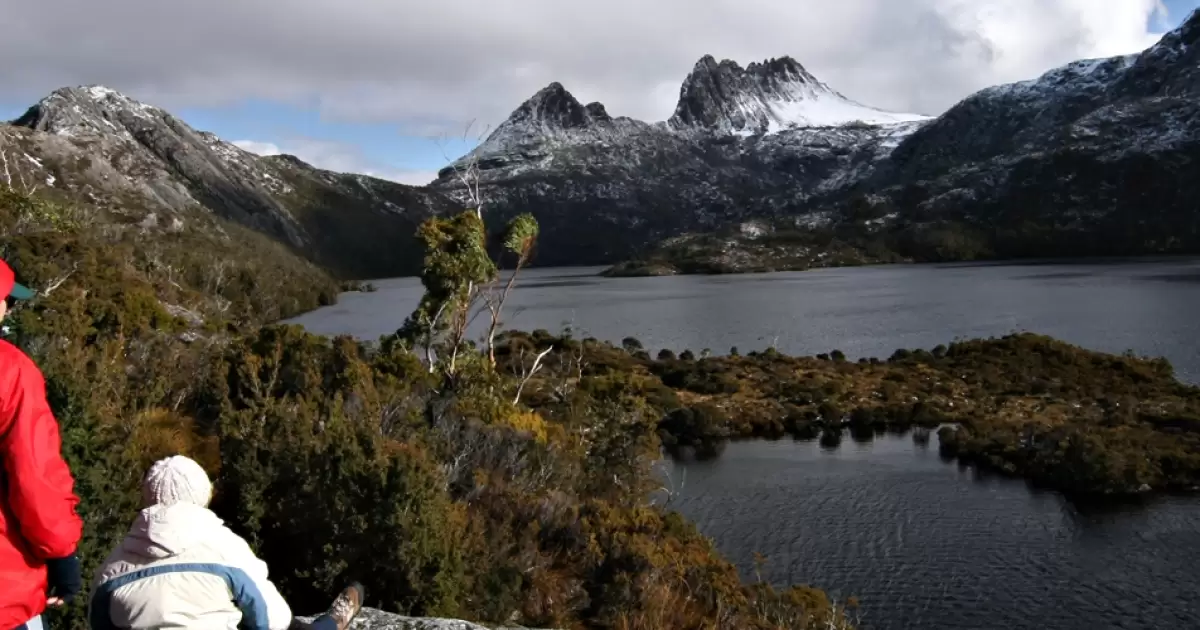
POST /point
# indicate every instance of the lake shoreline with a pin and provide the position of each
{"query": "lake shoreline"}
(658, 269)
(866, 312)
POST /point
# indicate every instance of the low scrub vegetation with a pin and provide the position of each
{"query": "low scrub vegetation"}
(422, 464)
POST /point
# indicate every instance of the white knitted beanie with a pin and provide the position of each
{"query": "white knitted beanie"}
(176, 479)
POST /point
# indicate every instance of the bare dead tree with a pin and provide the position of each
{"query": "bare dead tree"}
(527, 374)
(494, 300)
(7, 173)
(467, 173)
(54, 284)
(459, 324)
(430, 353)
(217, 276)
(8, 178)
(570, 367)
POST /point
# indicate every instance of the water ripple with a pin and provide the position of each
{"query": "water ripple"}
(928, 545)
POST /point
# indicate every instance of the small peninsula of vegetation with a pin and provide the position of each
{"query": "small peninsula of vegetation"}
(755, 247)
(508, 479)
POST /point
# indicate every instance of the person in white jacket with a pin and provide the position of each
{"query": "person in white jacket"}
(181, 567)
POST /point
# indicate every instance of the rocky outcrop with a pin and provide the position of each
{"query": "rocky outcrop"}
(104, 148)
(766, 97)
(372, 619)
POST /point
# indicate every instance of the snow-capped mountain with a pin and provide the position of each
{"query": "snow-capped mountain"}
(767, 97)
(1092, 157)
(1096, 157)
(753, 142)
(1094, 140)
(132, 160)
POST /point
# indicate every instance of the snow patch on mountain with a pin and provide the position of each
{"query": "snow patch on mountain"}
(1083, 77)
(766, 98)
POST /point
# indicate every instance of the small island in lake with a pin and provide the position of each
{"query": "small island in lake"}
(1027, 405)
(755, 247)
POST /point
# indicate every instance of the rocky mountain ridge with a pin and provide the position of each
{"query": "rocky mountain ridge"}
(129, 160)
(1089, 158)
(767, 97)
(740, 145)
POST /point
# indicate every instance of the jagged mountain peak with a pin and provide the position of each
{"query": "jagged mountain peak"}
(552, 112)
(768, 96)
(554, 107)
(88, 108)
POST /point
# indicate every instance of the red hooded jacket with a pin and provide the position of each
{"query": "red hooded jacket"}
(37, 500)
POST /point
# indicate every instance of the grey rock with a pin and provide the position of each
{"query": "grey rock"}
(372, 619)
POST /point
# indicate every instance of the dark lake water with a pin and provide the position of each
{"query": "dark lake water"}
(921, 542)
(926, 544)
(1150, 307)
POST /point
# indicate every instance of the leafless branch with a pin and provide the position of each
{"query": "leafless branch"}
(495, 305)
(430, 357)
(467, 173)
(58, 282)
(7, 174)
(571, 368)
(462, 319)
(8, 178)
(537, 365)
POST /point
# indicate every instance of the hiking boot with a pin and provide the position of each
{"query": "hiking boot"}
(347, 605)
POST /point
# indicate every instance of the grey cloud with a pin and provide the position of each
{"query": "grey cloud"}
(431, 66)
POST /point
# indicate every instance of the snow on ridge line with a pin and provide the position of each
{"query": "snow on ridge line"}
(1075, 74)
(802, 104)
(830, 111)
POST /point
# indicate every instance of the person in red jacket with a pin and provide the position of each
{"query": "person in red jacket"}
(39, 527)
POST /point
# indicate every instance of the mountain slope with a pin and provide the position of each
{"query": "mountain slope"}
(741, 144)
(1090, 158)
(98, 146)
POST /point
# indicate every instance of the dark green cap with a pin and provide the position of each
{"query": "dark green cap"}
(8, 284)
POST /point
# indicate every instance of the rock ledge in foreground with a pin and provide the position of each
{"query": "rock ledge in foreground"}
(373, 619)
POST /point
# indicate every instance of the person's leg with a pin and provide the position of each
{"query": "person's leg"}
(340, 614)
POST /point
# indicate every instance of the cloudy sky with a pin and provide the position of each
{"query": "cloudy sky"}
(388, 87)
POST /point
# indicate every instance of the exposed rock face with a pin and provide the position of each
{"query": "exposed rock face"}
(1094, 157)
(372, 619)
(104, 148)
(766, 97)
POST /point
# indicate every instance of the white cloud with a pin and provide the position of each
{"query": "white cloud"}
(336, 156)
(261, 148)
(432, 66)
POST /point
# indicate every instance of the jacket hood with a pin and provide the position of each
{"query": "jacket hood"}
(162, 531)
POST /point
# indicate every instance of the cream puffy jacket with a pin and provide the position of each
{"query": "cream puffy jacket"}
(180, 567)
